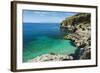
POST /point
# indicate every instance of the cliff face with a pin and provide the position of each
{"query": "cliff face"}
(80, 33)
(80, 20)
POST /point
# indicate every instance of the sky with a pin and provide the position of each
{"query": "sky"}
(34, 16)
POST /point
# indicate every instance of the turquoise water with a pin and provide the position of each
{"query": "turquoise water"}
(43, 40)
(44, 45)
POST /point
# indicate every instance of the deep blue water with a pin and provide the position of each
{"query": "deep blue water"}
(43, 38)
(33, 30)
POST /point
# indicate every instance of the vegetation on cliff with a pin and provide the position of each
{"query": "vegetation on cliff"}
(80, 20)
(77, 19)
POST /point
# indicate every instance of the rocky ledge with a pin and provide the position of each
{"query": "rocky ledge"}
(80, 33)
(51, 57)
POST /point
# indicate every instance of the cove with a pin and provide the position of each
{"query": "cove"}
(44, 38)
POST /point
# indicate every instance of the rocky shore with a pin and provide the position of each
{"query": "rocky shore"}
(51, 57)
(78, 29)
(80, 33)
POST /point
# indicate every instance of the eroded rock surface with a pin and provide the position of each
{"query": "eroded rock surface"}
(51, 57)
(80, 33)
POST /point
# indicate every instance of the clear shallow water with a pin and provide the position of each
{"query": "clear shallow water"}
(44, 38)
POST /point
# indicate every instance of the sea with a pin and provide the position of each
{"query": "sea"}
(44, 38)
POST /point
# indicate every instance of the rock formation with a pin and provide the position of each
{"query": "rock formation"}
(51, 57)
(80, 33)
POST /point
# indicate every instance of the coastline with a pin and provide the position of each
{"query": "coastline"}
(79, 30)
(80, 33)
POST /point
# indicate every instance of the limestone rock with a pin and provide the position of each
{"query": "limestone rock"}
(51, 57)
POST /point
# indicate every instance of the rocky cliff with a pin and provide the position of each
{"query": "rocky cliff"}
(79, 27)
